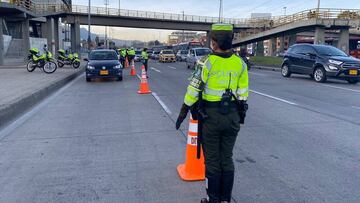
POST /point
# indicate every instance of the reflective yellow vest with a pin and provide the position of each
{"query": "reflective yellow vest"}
(144, 55)
(131, 52)
(214, 74)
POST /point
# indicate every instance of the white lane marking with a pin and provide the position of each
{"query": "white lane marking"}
(163, 105)
(275, 98)
(22, 119)
(342, 88)
(260, 74)
(172, 67)
(155, 69)
(356, 107)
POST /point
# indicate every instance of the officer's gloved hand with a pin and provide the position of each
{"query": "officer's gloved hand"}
(182, 115)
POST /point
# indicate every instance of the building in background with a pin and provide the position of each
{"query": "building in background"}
(180, 36)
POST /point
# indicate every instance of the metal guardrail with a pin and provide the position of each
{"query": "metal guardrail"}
(134, 13)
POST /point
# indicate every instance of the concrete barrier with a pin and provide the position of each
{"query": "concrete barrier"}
(17, 108)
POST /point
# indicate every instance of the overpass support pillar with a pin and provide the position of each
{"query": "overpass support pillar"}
(319, 35)
(25, 36)
(2, 51)
(208, 39)
(344, 39)
(272, 46)
(292, 40)
(75, 36)
(50, 34)
(260, 48)
(282, 44)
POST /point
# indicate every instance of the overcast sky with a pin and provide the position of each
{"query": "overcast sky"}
(232, 9)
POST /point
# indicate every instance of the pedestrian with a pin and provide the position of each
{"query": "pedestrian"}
(217, 96)
(145, 58)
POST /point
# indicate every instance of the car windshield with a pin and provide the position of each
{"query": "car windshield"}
(167, 52)
(103, 55)
(184, 52)
(202, 52)
(156, 52)
(329, 51)
(138, 52)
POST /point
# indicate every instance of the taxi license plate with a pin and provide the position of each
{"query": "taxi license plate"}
(104, 72)
(353, 72)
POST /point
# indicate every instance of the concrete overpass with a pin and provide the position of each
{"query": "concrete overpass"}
(311, 20)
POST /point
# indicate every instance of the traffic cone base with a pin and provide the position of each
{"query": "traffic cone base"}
(193, 169)
(144, 86)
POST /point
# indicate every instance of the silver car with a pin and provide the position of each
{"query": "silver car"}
(195, 55)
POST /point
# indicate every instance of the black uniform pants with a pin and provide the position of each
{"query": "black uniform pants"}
(219, 136)
(145, 62)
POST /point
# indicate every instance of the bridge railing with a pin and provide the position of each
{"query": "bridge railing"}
(42, 8)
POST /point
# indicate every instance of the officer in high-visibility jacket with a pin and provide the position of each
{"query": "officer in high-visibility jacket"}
(123, 57)
(222, 79)
(131, 55)
(145, 58)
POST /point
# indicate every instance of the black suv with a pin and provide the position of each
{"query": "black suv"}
(320, 62)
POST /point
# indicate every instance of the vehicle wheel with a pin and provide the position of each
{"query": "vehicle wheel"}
(31, 66)
(60, 64)
(285, 71)
(76, 64)
(119, 78)
(50, 67)
(88, 79)
(353, 81)
(320, 75)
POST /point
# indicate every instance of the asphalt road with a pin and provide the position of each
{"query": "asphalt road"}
(102, 142)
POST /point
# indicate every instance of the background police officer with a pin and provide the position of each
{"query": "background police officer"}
(222, 78)
(145, 58)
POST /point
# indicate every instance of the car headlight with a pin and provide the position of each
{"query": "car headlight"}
(90, 67)
(335, 62)
(117, 67)
(331, 67)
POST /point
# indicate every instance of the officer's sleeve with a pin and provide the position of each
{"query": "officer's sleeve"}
(197, 82)
(242, 92)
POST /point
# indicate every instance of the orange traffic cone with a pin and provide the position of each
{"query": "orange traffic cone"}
(126, 62)
(133, 70)
(144, 87)
(193, 169)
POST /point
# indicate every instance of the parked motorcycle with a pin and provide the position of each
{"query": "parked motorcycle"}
(45, 61)
(70, 59)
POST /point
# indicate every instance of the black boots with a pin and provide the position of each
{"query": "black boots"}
(213, 184)
(227, 182)
(219, 187)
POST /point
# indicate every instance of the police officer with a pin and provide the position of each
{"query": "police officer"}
(131, 55)
(145, 58)
(123, 57)
(222, 80)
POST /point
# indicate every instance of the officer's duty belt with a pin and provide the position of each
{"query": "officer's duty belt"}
(208, 104)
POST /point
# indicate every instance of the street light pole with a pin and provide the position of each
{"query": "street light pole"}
(284, 10)
(89, 22)
(106, 2)
(220, 11)
(119, 7)
(318, 6)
